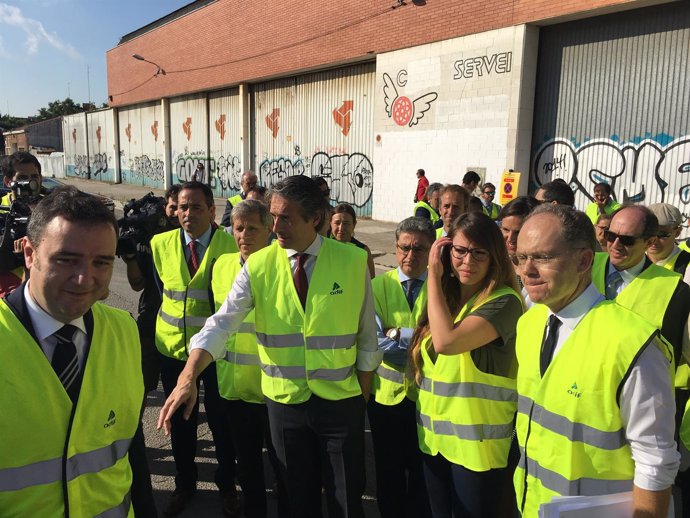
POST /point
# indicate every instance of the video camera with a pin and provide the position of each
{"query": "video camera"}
(14, 219)
(143, 218)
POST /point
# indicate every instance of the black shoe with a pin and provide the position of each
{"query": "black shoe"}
(230, 504)
(178, 501)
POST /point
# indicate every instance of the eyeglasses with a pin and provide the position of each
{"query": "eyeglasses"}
(406, 249)
(490, 193)
(663, 235)
(538, 259)
(625, 240)
(478, 254)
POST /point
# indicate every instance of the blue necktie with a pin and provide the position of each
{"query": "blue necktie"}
(613, 284)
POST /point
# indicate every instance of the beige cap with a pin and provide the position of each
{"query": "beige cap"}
(668, 215)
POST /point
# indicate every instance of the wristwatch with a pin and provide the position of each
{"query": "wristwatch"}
(393, 334)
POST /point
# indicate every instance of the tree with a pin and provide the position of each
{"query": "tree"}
(56, 108)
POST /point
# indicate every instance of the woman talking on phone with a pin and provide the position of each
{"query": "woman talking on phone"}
(463, 359)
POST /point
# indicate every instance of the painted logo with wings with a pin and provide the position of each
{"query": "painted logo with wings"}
(403, 110)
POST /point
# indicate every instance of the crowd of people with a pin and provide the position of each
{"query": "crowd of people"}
(514, 355)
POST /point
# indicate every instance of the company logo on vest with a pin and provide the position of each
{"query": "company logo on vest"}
(336, 289)
(573, 390)
(111, 420)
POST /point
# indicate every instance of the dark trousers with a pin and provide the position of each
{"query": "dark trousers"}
(400, 486)
(183, 433)
(143, 503)
(458, 492)
(248, 423)
(321, 438)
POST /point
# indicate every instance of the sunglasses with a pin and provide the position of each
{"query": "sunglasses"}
(664, 235)
(625, 240)
(490, 193)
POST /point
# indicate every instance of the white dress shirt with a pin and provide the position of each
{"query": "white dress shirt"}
(627, 275)
(239, 302)
(45, 325)
(647, 403)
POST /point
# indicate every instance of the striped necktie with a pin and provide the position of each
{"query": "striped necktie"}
(65, 361)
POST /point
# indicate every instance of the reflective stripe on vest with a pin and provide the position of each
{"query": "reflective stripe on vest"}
(181, 322)
(119, 511)
(573, 431)
(391, 384)
(47, 471)
(201, 295)
(312, 342)
(466, 415)
(242, 359)
(392, 375)
(468, 432)
(307, 350)
(581, 486)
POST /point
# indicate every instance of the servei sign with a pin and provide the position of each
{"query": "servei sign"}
(468, 68)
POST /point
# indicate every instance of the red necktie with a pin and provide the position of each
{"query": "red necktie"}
(300, 278)
(193, 258)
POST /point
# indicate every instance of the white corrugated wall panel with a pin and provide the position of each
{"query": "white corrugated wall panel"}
(613, 105)
(101, 135)
(189, 136)
(225, 140)
(74, 142)
(319, 124)
(142, 145)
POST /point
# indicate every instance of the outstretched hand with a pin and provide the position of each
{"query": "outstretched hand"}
(184, 393)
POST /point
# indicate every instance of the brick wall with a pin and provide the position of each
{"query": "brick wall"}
(233, 41)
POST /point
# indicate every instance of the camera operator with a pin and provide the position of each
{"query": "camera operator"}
(136, 229)
(21, 173)
(141, 278)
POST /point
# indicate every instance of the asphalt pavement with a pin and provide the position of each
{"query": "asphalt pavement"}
(380, 238)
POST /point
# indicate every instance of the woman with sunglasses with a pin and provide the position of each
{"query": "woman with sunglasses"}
(463, 359)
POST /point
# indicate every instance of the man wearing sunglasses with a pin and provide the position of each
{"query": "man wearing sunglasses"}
(664, 251)
(629, 277)
(487, 196)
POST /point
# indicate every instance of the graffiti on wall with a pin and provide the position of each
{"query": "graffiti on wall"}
(128, 132)
(185, 166)
(350, 176)
(228, 172)
(403, 110)
(99, 163)
(499, 63)
(154, 130)
(81, 165)
(650, 170)
(343, 116)
(146, 167)
(272, 121)
(98, 134)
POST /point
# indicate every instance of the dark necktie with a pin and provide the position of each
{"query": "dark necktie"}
(65, 361)
(549, 344)
(193, 258)
(410, 285)
(300, 278)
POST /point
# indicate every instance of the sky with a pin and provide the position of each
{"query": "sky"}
(47, 46)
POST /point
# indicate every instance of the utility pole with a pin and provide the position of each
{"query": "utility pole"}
(88, 82)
